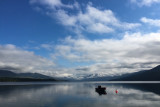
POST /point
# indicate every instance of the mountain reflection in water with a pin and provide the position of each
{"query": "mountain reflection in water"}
(79, 94)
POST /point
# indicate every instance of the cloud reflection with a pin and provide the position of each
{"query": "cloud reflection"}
(75, 94)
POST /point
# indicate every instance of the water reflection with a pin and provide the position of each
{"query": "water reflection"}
(79, 94)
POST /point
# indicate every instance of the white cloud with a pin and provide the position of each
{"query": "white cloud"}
(92, 20)
(65, 19)
(153, 22)
(106, 49)
(54, 3)
(145, 2)
(133, 52)
(47, 46)
(99, 28)
(15, 59)
(127, 26)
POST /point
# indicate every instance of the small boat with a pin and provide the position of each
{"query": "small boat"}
(101, 90)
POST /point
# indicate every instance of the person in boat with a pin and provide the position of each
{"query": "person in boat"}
(101, 88)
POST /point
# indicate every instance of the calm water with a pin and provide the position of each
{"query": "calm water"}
(79, 95)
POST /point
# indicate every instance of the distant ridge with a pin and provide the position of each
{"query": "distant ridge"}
(6, 75)
(103, 78)
(145, 75)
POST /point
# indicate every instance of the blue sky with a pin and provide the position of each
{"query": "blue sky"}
(74, 38)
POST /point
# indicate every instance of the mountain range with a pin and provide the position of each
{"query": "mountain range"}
(6, 75)
(145, 75)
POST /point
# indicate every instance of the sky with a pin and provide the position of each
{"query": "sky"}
(76, 38)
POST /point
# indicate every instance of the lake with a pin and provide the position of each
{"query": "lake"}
(79, 94)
